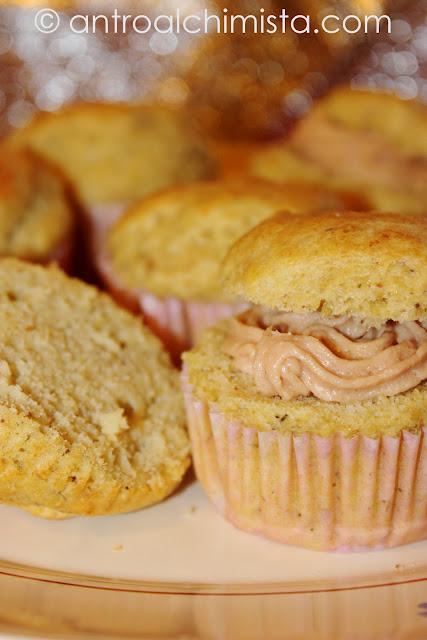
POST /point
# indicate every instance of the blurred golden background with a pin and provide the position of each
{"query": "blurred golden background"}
(245, 86)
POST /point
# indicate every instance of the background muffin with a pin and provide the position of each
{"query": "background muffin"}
(163, 256)
(117, 153)
(371, 142)
(71, 443)
(307, 414)
(36, 210)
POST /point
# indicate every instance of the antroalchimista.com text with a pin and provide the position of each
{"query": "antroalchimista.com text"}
(225, 22)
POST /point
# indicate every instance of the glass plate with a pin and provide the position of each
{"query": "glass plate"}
(178, 570)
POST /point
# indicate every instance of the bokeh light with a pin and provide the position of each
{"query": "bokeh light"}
(240, 85)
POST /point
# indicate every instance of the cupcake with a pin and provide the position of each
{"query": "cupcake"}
(117, 153)
(307, 412)
(36, 210)
(163, 256)
(373, 143)
(92, 421)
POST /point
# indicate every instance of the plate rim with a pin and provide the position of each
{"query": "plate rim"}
(122, 585)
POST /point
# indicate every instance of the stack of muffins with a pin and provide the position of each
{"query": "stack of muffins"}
(291, 280)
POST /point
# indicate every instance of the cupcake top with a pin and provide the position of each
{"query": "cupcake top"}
(337, 339)
(70, 441)
(117, 153)
(350, 138)
(372, 137)
(365, 264)
(36, 214)
(172, 244)
(342, 306)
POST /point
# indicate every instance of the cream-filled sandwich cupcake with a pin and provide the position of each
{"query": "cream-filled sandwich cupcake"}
(308, 413)
(37, 215)
(115, 154)
(163, 256)
(373, 143)
(91, 415)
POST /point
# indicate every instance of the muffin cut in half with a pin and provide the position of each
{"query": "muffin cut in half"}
(91, 416)
(115, 154)
(163, 256)
(37, 216)
(308, 412)
(373, 143)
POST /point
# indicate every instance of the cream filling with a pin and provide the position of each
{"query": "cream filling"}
(372, 158)
(337, 359)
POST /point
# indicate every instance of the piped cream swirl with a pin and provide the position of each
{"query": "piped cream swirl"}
(334, 359)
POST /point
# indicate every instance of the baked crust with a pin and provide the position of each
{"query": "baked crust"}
(365, 264)
(118, 152)
(172, 243)
(37, 214)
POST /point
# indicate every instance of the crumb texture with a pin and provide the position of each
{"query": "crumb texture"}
(91, 420)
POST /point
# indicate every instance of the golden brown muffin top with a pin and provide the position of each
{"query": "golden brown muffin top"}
(367, 264)
(83, 444)
(36, 214)
(118, 152)
(172, 244)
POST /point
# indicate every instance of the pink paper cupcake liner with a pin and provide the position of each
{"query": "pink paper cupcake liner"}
(100, 218)
(178, 323)
(326, 493)
(64, 253)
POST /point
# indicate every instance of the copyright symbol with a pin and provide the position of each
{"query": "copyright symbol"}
(47, 21)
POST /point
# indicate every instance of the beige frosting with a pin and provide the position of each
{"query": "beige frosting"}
(335, 359)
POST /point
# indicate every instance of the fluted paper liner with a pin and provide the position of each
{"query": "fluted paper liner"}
(330, 493)
(101, 218)
(178, 323)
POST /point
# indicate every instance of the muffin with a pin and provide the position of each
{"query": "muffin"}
(307, 412)
(72, 443)
(373, 143)
(163, 256)
(117, 153)
(36, 210)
